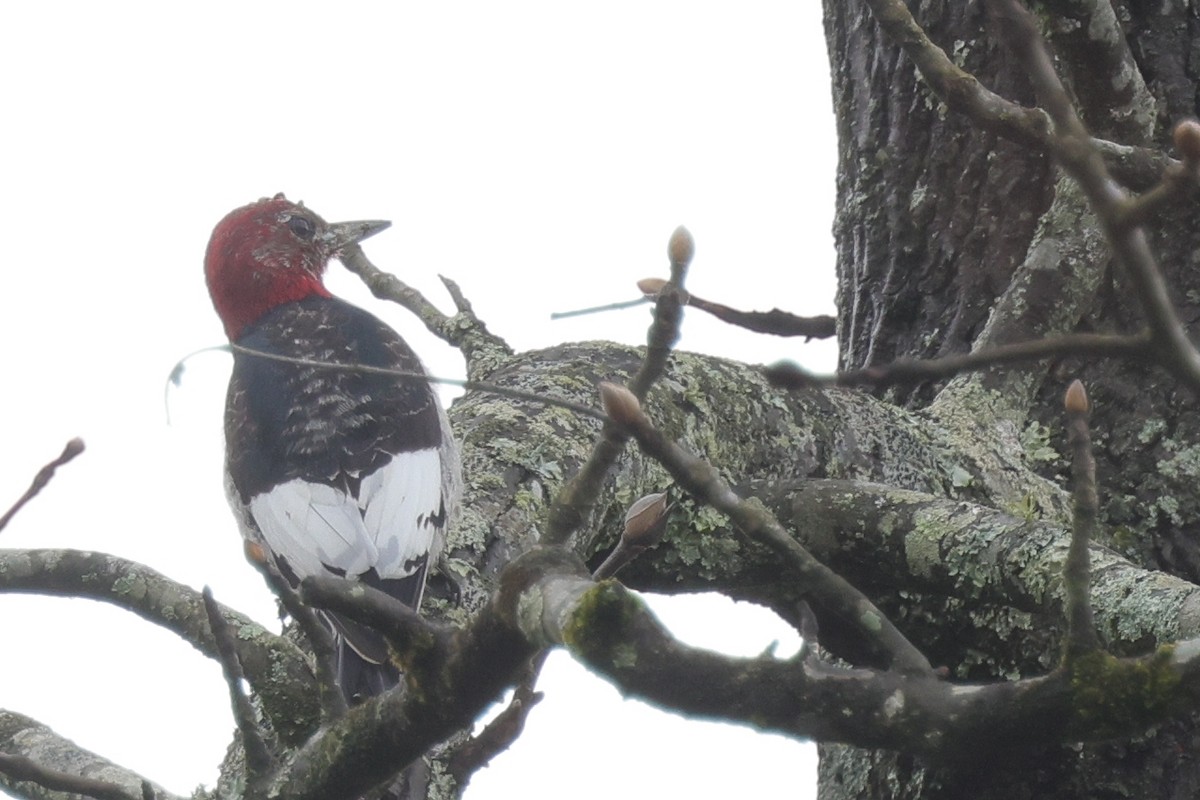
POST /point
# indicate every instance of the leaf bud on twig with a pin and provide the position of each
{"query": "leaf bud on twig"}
(619, 403)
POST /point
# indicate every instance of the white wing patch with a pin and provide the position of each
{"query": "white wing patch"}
(393, 521)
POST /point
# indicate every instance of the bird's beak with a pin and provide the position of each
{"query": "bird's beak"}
(339, 234)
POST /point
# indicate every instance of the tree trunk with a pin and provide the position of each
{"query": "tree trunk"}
(935, 219)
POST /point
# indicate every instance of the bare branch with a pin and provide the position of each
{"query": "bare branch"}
(753, 519)
(1177, 180)
(790, 376)
(411, 636)
(30, 752)
(576, 499)
(579, 312)
(258, 756)
(23, 769)
(499, 734)
(1081, 628)
(43, 477)
(958, 89)
(774, 322)
(457, 681)
(276, 668)
(481, 348)
(611, 630)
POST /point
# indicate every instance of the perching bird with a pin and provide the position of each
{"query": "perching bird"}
(330, 471)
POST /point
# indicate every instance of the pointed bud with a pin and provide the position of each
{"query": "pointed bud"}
(651, 286)
(682, 247)
(1076, 400)
(1187, 140)
(646, 520)
(619, 403)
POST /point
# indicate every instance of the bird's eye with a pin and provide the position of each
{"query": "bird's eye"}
(302, 226)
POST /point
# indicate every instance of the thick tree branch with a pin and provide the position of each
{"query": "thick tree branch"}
(977, 555)
(20, 768)
(274, 666)
(774, 322)
(31, 752)
(380, 737)
(753, 519)
(413, 638)
(612, 632)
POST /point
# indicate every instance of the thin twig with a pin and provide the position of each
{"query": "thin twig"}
(774, 322)
(72, 449)
(1081, 627)
(618, 306)
(576, 499)
(822, 584)
(474, 386)
(258, 755)
(788, 375)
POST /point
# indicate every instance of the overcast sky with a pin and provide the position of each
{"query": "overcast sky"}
(538, 153)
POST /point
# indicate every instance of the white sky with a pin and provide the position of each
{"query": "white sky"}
(538, 153)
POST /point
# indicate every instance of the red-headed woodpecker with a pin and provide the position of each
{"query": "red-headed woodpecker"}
(330, 471)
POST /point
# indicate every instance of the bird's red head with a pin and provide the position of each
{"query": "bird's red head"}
(272, 252)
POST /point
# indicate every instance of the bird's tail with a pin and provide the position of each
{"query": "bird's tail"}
(360, 678)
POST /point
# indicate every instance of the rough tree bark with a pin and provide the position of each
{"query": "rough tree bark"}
(936, 217)
(944, 503)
